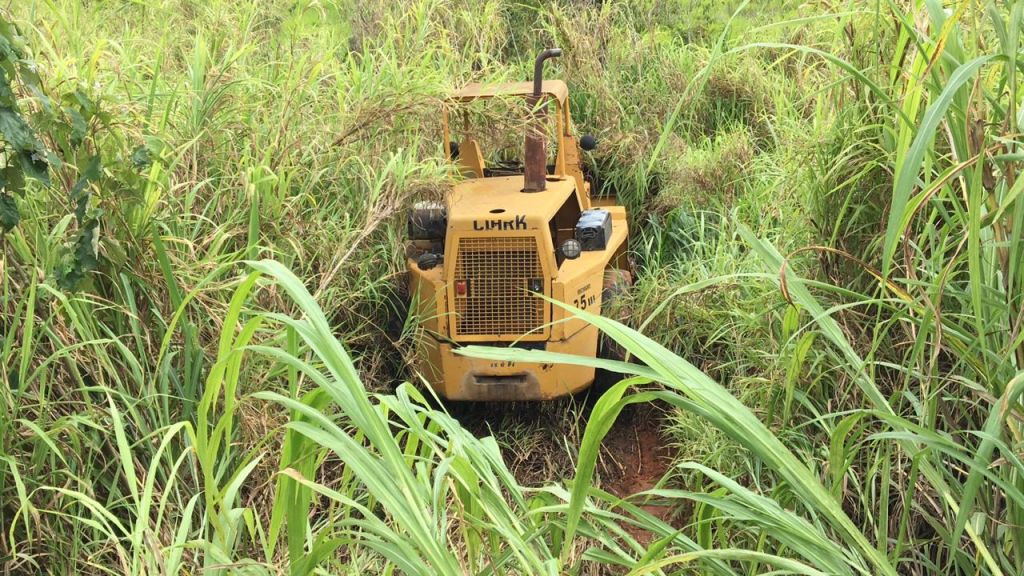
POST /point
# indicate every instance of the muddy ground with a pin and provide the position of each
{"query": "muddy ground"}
(541, 442)
(635, 456)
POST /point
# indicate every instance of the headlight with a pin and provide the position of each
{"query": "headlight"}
(572, 248)
(427, 221)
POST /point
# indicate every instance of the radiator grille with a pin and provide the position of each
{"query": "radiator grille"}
(497, 272)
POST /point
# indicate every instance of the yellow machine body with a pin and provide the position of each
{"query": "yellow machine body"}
(500, 253)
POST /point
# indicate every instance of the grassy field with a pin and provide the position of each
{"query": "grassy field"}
(203, 221)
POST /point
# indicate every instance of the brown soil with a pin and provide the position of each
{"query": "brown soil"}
(634, 457)
(539, 441)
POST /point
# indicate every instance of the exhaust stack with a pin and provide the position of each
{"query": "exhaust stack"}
(536, 155)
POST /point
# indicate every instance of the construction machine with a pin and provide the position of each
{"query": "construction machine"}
(510, 237)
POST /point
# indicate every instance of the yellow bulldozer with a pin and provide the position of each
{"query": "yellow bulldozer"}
(506, 237)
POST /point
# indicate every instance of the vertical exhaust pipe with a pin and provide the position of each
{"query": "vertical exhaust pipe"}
(535, 157)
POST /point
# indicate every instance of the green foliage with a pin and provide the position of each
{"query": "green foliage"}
(64, 140)
(828, 302)
(24, 154)
(9, 215)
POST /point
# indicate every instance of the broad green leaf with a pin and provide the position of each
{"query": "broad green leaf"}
(9, 216)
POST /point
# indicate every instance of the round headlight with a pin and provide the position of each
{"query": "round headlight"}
(572, 248)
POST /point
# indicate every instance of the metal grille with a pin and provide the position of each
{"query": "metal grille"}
(497, 272)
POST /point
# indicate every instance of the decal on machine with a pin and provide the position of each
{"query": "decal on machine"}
(517, 223)
(584, 301)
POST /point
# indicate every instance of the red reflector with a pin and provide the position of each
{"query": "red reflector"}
(461, 287)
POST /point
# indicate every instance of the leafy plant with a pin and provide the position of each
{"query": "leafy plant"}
(59, 137)
(24, 154)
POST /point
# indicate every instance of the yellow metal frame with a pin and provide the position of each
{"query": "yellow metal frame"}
(495, 208)
(567, 159)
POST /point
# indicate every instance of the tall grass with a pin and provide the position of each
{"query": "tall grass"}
(830, 257)
(923, 453)
(945, 339)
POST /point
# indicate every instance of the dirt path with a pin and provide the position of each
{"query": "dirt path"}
(540, 443)
(634, 457)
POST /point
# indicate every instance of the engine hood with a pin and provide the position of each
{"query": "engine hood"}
(498, 204)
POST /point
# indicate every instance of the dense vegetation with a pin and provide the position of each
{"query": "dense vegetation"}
(202, 202)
